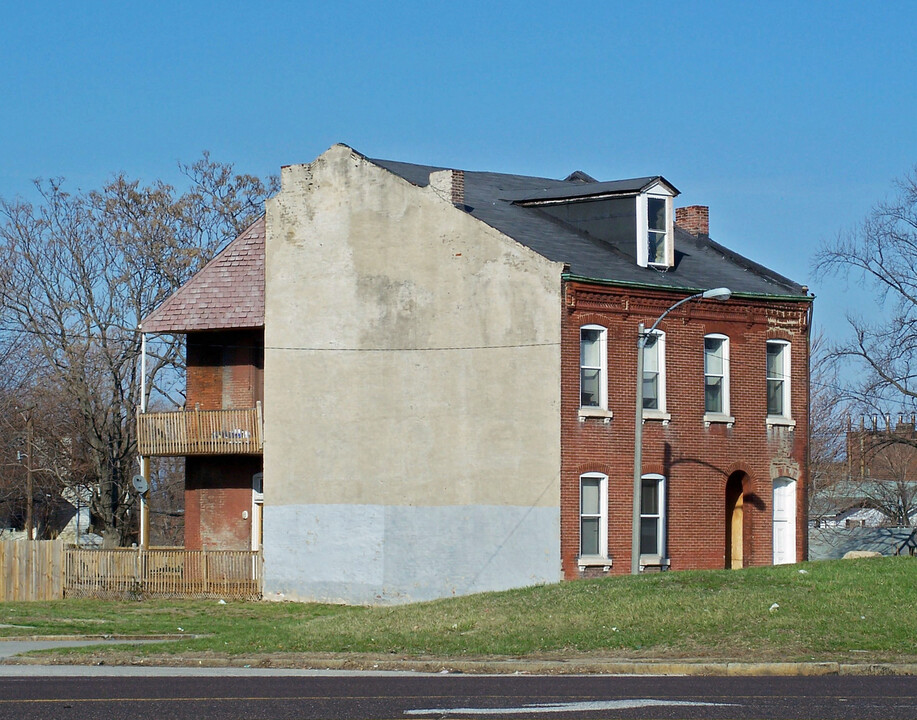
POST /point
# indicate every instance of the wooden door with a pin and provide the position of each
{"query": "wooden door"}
(734, 522)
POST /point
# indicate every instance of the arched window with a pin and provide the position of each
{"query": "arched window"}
(593, 517)
(593, 367)
(652, 520)
(716, 374)
(654, 373)
(778, 379)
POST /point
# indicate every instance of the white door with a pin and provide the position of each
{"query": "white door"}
(784, 521)
(257, 510)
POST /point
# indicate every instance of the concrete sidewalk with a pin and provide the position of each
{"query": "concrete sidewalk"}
(12, 648)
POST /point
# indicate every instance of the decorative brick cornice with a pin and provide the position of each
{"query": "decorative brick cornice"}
(786, 316)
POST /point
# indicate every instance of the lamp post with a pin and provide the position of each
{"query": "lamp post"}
(643, 334)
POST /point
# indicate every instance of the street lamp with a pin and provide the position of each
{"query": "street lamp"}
(721, 294)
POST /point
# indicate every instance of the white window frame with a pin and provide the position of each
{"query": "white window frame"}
(723, 416)
(659, 412)
(643, 230)
(784, 417)
(601, 558)
(661, 557)
(600, 410)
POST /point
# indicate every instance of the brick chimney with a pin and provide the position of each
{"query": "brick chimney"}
(450, 184)
(694, 218)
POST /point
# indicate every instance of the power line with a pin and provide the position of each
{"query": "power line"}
(439, 348)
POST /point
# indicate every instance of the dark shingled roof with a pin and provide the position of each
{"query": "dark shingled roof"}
(579, 189)
(228, 292)
(700, 263)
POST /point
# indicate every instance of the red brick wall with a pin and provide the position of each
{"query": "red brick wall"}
(888, 452)
(225, 369)
(218, 491)
(695, 460)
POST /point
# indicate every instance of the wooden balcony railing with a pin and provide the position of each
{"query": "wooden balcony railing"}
(200, 432)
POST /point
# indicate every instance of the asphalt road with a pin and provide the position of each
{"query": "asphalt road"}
(403, 695)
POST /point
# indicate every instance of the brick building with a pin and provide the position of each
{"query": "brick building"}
(448, 367)
(221, 311)
(712, 464)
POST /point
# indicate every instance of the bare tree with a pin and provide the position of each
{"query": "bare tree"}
(77, 274)
(167, 502)
(881, 255)
(829, 417)
(35, 449)
(880, 354)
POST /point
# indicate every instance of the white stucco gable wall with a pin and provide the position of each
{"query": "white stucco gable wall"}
(412, 394)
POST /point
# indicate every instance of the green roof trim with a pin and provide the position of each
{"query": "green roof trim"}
(686, 290)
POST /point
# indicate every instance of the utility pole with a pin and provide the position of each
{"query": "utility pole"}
(29, 524)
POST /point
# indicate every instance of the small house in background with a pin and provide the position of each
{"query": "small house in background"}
(408, 382)
(877, 484)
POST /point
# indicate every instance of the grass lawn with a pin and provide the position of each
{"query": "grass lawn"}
(847, 610)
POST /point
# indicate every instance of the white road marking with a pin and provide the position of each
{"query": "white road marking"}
(592, 706)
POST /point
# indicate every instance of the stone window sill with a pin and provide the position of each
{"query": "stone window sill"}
(710, 418)
(780, 421)
(659, 415)
(594, 561)
(654, 561)
(595, 412)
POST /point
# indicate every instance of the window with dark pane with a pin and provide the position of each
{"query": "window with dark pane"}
(714, 374)
(776, 378)
(650, 517)
(590, 354)
(651, 373)
(590, 515)
(657, 226)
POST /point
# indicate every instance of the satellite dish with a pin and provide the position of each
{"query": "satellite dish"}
(140, 484)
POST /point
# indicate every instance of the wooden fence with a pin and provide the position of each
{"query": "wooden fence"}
(30, 570)
(168, 573)
(55, 571)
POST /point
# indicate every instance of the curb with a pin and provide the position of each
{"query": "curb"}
(506, 667)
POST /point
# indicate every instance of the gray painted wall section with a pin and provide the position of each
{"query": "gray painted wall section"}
(375, 554)
(412, 393)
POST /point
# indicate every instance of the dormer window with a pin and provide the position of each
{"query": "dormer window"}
(637, 216)
(655, 230)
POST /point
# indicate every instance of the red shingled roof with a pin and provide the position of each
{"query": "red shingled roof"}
(227, 293)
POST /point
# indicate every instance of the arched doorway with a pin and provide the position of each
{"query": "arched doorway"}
(784, 504)
(734, 521)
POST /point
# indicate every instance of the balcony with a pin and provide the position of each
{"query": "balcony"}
(200, 432)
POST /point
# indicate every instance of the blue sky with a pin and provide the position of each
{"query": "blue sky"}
(789, 119)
